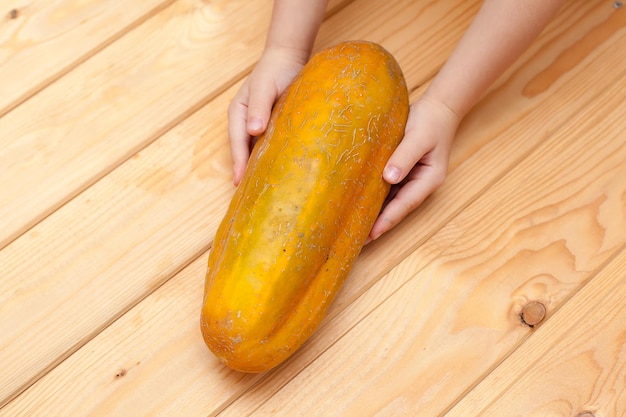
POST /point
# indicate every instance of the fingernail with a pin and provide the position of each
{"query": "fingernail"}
(391, 174)
(255, 125)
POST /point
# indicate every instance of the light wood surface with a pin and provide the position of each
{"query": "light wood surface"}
(43, 40)
(503, 294)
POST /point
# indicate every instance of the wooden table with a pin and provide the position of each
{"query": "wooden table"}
(504, 294)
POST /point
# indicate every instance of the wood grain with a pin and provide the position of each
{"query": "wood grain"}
(574, 364)
(118, 372)
(136, 217)
(84, 125)
(74, 30)
(150, 216)
(99, 302)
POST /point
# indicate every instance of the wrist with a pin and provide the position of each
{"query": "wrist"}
(295, 54)
(443, 105)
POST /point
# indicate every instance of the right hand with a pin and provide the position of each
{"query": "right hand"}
(249, 112)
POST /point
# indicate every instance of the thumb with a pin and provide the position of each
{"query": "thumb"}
(261, 100)
(408, 153)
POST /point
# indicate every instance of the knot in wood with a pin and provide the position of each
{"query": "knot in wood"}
(533, 313)
(13, 14)
(585, 414)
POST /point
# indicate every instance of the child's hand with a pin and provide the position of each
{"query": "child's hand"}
(249, 112)
(419, 164)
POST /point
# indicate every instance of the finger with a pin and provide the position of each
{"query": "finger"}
(260, 103)
(238, 134)
(424, 180)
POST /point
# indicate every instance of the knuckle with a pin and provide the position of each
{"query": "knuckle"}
(233, 107)
(438, 180)
(404, 208)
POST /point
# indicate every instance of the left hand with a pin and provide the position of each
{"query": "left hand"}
(419, 164)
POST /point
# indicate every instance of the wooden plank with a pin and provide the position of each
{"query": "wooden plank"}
(419, 340)
(127, 198)
(135, 229)
(150, 217)
(133, 235)
(71, 134)
(574, 364)
(143, 364)
(74, 30)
